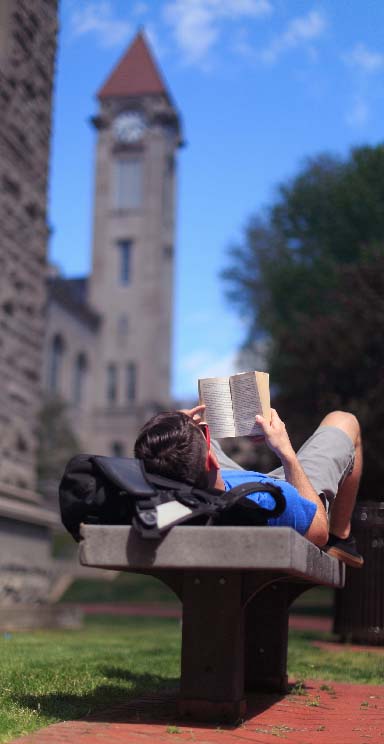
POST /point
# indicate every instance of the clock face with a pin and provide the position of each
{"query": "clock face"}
(129, 127)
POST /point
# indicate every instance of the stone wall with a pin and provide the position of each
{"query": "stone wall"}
(27, 56)
(28, 30)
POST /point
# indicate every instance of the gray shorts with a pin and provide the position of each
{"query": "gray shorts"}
(327, 457)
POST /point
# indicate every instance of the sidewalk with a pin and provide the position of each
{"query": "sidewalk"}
(327, 713)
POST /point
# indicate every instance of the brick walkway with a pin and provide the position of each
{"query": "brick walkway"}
(324, 713)
(158, 609)
(327, 713)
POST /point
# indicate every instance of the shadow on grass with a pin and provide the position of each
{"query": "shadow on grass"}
(93, 705)
(149, 699)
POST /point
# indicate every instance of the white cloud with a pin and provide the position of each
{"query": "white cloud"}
(97, 18)
(359, 114)
(205, 363)
(299, 31)
(196, 24)
(365, 59)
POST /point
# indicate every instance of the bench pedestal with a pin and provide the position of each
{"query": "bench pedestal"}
(236, 585)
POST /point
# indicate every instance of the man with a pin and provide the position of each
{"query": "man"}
(320, 482)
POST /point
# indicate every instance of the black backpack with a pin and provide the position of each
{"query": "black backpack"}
(117, 490)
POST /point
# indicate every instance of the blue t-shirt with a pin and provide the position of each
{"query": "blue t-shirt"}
(298, 513)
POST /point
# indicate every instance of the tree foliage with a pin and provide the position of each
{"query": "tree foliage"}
(309, 275)
(57, 443)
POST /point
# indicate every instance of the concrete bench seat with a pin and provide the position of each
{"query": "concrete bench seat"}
(236, 585)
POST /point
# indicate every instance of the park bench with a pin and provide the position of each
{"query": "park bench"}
(236, 585)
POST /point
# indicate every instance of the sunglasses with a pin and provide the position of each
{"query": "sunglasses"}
(205, 430)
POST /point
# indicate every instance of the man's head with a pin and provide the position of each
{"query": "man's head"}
(173, 445)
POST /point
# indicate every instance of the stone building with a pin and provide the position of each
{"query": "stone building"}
(28, 32)
(108, 341)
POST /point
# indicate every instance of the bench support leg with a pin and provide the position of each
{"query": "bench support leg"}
(266, 623)
(212, 657)
(266, 635)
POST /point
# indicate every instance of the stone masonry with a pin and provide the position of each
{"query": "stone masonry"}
(28, 31)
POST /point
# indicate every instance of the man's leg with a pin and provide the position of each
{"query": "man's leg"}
(343, 504)
(332, 460)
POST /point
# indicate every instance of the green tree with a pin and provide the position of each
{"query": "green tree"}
(309, 276)
(57, 443)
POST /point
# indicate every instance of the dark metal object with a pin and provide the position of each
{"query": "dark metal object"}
(359, 607)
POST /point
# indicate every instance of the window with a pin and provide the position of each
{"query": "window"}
(125, 259)
(79, 375)
(168, 185)
(55, 363)
(130, 382)
(117, 449)
(127, 183)
(111, 383)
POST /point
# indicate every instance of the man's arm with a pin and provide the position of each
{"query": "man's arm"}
(277, 439)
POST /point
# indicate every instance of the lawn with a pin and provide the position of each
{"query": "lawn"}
(59, 675)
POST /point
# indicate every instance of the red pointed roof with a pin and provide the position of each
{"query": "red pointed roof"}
(136, 73)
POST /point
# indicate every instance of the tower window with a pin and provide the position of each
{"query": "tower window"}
(111, 383)
(128, 183)
(130, 382)
(55, 363)
(79, 375)
(125, 260)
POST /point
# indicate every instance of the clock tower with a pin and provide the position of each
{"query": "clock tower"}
(131, 285)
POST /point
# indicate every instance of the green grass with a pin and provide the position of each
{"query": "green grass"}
(125, 588)
(142, 589)
(317, 601)
(62, 675)
(307, 661)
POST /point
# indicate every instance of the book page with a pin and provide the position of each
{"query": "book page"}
(250, 397)
(216, 394)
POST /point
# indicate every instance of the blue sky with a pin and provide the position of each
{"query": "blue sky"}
(261, 85)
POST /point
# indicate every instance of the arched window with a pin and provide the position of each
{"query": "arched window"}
(130, 382)
(56, 357)
(124, 248)
(127, 183)
(79, 377)
(111, 383)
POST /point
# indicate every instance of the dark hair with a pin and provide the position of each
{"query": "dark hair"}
(171, 444)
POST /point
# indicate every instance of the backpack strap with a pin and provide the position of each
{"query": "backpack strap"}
(238, 510)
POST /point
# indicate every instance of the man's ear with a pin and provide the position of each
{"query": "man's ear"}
(212, 460)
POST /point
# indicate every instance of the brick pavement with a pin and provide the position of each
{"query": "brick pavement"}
(327, 713)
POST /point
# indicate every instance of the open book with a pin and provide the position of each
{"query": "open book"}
(233, 402)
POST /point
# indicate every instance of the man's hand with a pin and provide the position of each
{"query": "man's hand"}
(195, 413)
(276, 436)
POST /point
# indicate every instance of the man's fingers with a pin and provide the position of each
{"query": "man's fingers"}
(197, 411)
(194, 412)
(198, 408)
(261, 421)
